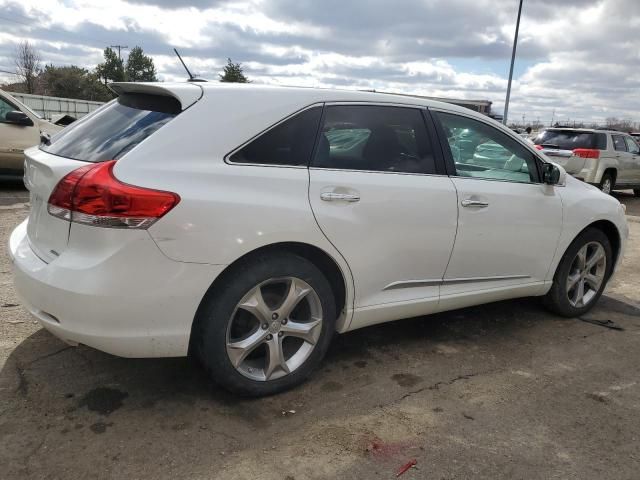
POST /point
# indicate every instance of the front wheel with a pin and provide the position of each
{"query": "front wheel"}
(268, 326)
(581, 275)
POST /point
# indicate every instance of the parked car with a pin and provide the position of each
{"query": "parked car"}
(20, 128)
(247, 224)
(608, 159)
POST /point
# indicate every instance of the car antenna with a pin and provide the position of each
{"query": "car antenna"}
(191, 77)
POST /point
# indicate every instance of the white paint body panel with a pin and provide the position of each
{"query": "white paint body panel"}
(515, 236)
(135, 293)
(402, 229)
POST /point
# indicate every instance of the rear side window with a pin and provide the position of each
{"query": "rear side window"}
(571, 139)
(619, 143)
(288, 143)
(113, 130)
(375, 138)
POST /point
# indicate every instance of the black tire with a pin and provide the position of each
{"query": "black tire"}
(636, 192)
(219, 305)
(610, 179)
(557, 299)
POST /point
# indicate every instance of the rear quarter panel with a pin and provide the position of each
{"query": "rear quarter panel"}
(225, 210)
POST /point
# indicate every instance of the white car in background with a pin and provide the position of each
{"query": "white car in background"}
(608, 159)
(248, 224)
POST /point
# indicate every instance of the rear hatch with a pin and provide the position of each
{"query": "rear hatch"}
(570, 148)
(106, 134)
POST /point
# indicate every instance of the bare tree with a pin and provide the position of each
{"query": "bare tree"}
(28, 65)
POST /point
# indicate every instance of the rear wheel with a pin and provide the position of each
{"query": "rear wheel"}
(268, 327)
(607, 183)
(581, 275)
(636, 192)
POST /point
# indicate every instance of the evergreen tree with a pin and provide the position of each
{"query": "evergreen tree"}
(233, 73)
(140, 67)
(112, 69)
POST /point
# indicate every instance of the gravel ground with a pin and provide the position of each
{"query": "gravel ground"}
(500, 391)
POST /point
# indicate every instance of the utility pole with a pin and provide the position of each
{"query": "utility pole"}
(513, 60)
(552, 117)
(123, 47)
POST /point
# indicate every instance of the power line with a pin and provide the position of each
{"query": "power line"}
(123, 47)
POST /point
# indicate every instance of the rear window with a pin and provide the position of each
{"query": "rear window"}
(570, 139)
(113, 130)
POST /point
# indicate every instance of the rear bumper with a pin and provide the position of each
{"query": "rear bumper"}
(131, 302)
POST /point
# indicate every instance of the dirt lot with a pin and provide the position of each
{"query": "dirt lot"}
(500, 391)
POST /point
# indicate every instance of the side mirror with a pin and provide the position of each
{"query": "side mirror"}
(18, 118)
(550, 174)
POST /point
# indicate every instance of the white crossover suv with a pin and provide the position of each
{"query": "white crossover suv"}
(608, 159)
(247, 224)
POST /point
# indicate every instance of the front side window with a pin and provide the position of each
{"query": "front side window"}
(374, 138)
(289, 143)
(618, 143)
(482, 151)
(632, 146)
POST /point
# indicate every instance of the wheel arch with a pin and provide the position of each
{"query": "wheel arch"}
(609, 229)
(613, 171)
(319, 257)
(613, 234)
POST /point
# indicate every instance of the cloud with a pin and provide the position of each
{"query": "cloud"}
(578, 58)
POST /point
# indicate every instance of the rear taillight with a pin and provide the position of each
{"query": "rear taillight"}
(539, 147)
(91, 195)
(587, 152)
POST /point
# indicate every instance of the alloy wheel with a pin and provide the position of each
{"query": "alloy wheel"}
(606, 186)
(274, 328)
(586, 274)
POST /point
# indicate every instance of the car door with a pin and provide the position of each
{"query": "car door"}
(509, 222)
(634, 151)
(14, 139)
(625, 160)
(377, 195)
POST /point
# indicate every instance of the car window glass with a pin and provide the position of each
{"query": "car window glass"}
(289, 143)
(568, 139)
(4, 109)
(632, 146)
(618, 143)
(374, 138)
(482, 151)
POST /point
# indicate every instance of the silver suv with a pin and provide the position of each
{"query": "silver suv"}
(607, 159)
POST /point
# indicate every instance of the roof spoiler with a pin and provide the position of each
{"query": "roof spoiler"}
(187, 93)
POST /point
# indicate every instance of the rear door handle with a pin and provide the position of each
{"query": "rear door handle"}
(474, 203)
(345, 197)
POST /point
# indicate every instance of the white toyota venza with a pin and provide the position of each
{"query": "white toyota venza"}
(247, 224)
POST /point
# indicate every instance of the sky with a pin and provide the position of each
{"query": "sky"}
(576, 59)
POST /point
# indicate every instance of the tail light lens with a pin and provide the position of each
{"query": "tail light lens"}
(539, 147)
(587, 152)
(91, 195)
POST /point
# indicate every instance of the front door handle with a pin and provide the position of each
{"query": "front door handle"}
(334, 196)
(474, 203)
